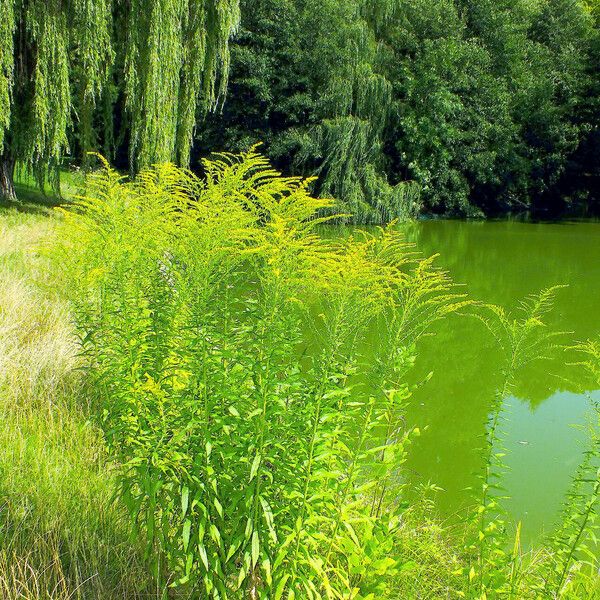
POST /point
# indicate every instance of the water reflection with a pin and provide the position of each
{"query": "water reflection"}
(501, 262)
(545, 449)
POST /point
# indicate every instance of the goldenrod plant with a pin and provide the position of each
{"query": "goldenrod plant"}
(222, 335)
(195, 407)
(522, 337)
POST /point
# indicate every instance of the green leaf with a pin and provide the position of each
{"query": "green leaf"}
(255, 547)
(268, 513)
(185, 497)
(218, 506)
(266, 567)
(203, 555)
(187, 526)
(281, 587)
(255, 465)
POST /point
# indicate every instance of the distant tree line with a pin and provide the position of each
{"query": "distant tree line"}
(489, 106)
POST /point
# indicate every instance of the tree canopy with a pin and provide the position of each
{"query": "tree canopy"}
(76, 75)
(489, 105)
(465, 107)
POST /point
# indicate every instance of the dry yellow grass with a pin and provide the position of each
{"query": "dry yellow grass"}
(60, 535)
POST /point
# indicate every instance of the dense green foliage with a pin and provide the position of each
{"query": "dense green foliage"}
(463, 107)
(488, 105)
(203, 392)
(259, 446)
(222, 334)
(68, 67)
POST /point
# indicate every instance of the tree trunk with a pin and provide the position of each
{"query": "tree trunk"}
(7, 183)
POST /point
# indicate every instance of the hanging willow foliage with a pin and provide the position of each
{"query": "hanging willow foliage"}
(45, 127)
(7, 25)
(183, 44)
(355, 108)
(93, 55)
(64, 62)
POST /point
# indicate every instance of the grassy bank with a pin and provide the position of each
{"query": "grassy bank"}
(192, 451)
(60, 534)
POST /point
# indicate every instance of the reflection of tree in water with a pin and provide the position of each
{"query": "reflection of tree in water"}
(544, 379)
(499, 263)
(454, 406)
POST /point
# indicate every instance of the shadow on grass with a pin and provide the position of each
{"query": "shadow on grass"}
(30, 200)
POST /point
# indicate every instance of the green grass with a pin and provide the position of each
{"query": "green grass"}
(60, 534)
(33, 200)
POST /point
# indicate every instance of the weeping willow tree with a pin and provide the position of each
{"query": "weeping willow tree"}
(176, 60)
(64, 63)
(355, 111)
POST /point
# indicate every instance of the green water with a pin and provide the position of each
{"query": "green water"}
(501, 262)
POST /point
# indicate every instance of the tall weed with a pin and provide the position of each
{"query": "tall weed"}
(223, 336)
(566, 566)
(575, 543)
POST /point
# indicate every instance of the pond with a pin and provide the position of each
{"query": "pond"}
(502, 262)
